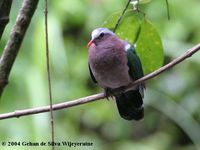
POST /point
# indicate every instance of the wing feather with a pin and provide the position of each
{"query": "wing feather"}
(135, 67)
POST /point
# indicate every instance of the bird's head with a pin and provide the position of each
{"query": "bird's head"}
(99, 35)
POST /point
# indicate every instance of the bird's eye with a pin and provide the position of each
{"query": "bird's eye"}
(101, 35)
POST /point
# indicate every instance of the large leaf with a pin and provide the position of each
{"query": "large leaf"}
(129, 26)
(137, 30)
(149, 47)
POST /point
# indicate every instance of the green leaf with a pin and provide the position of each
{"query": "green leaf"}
(149, 47)
(129, 26)
(137, 30)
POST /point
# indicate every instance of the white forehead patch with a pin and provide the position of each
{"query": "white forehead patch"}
(98, 31)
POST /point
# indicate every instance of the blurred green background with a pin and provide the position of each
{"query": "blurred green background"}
(172, 100)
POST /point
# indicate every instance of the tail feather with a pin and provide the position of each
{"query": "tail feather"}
(130, 105)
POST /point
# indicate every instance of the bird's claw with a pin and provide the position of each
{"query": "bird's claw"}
(108, 93)
(111, 92)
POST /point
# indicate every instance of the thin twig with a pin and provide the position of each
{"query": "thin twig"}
(122, 14)
(99, 96)
(16, 37)
(168, 14)
(49, 74)
(31, 111)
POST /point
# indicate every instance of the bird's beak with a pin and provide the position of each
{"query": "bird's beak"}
(90, 43)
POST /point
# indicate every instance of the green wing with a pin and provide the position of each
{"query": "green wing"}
(135, 66)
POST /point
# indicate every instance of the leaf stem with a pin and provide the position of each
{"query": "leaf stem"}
(122, 14)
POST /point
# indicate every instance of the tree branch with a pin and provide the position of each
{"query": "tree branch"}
(16, 37)
(5, 6)
(99, 96)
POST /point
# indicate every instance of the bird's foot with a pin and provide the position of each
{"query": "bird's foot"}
(111, 92)
(119, 90)
(108, 93)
